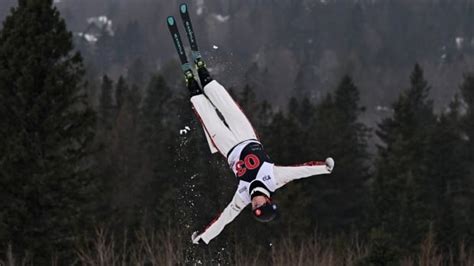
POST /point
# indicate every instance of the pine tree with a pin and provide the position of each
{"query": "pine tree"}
(105, 102)
(247, 100)
(258, 112)
(284, 142)
(285, 145)
(467, 124)
(467, 91)
(157, 142)
(137, 73)
(124, 152)
(351, 153)
(120, 92)
(401, 188)
(46, 128)
(448, 173)
(335, 131)
(304, 80)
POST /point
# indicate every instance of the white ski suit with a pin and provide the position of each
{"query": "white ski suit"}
(236, 139)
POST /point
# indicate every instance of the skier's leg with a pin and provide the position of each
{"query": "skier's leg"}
(221, 136)
(233, 115)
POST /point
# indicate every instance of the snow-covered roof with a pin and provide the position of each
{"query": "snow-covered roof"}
(91, 38)
(102, 22)
(221, 18)
(97, 26)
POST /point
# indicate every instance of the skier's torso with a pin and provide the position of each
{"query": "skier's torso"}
(250, 163)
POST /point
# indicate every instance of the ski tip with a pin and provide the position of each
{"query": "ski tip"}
(170, 20)
(183, 8)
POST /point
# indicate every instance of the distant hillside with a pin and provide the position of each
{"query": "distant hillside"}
(5, 6)
(291, 48)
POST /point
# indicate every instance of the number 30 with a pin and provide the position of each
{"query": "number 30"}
(250, 162)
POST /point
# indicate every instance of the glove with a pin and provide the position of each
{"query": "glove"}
(196, 237)
(329, 164)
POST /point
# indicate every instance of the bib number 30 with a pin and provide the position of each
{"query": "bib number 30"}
(250, 162)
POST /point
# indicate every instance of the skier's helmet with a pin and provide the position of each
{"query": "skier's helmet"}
(266, 212)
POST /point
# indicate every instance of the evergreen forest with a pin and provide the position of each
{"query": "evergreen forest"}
(103, 162)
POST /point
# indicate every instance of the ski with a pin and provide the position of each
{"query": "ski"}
(188, 26)
(185, 65)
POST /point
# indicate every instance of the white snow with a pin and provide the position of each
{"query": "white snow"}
(102, 22)
(200, 7)
(184, 131)
(381, 108)
(459, 42)
(215, 47)
(97, 26)
(89, 37)
(221, 18)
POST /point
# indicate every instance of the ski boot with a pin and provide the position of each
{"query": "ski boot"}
(203, 74)
(191, 83)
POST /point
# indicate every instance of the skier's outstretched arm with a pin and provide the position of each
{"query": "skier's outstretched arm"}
(217, 225)
(286, 174)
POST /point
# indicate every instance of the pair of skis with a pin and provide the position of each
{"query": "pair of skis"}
(196, 55)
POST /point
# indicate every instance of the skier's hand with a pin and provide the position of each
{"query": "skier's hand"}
(330, 164)
(196, 237)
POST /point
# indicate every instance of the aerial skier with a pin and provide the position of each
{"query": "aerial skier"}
(234, 137)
